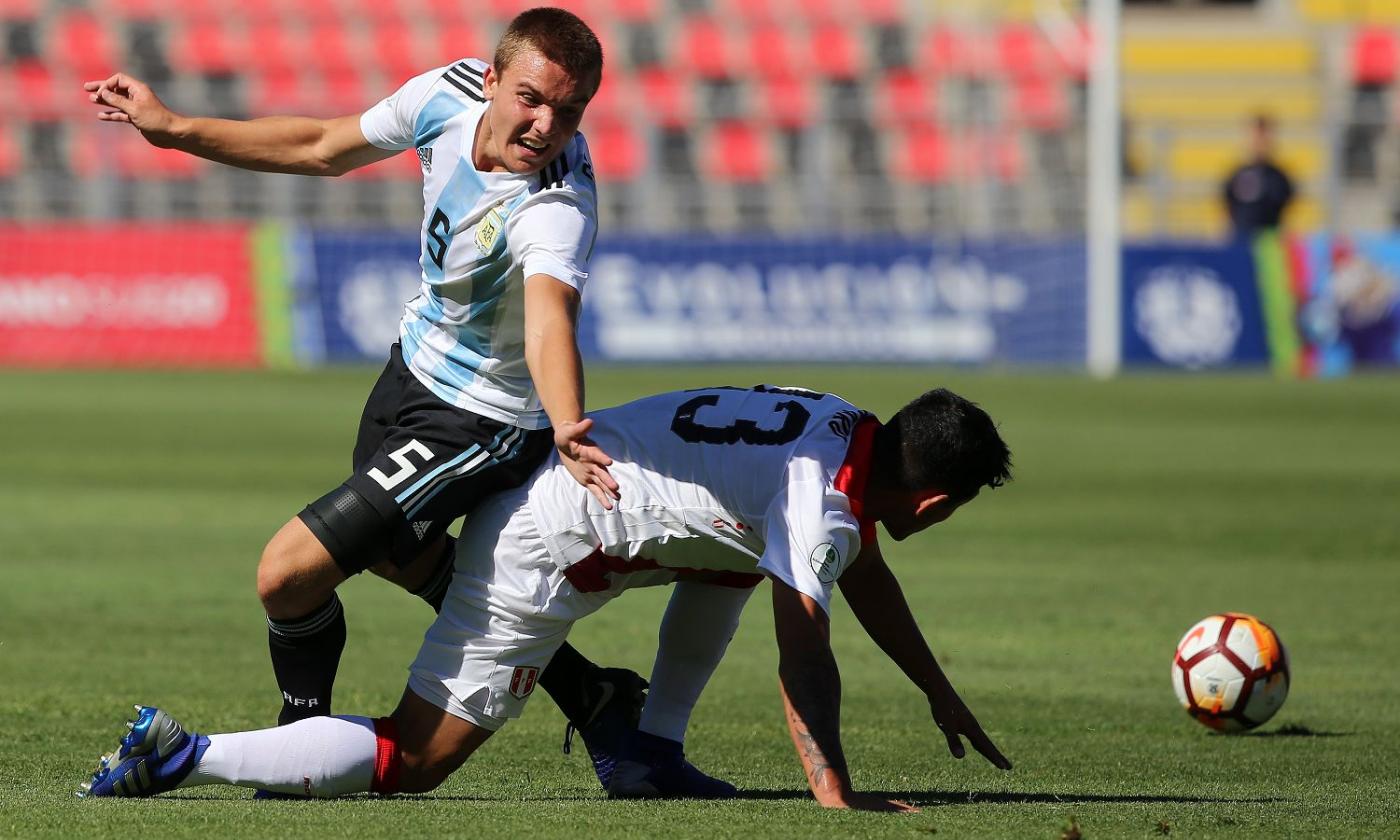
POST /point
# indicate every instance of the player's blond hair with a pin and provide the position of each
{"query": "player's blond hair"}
(559, 36)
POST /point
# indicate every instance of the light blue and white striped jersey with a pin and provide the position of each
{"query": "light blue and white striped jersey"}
(483, 233)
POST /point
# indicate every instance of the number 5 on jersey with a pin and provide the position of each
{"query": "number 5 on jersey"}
(406, 467)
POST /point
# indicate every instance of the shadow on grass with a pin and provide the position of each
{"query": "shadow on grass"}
(936, 797)
(1297, 730)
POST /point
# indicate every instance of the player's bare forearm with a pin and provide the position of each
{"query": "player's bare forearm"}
(551, 347)
(551, 354)
(878, 603)
(811, 687)
(290, 145)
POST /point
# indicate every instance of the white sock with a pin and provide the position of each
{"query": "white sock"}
(699, 622)
(320, 756)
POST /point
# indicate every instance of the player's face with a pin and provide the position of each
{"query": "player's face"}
(535, 111)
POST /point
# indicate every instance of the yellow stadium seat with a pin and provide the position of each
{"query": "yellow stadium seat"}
(1176, 105)
(1178, 56)
(1211, 159)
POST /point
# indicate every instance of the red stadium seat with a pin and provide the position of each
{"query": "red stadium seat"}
(85, 46)
(272, 49)
(947, 51)
(344, 92)
(35, 93)
(9, 152)
(752, 13)
(880, 12)
(618, 151)
(632, 11)
(786, 101)
(439, 13)
(737, 152)
(903, 96)
(1072, 50)
(397, 52)
(821, 11)
(317, 12)
(401, 167)
(1375, 55)
(1040, 103)
(1022, 51)
(997, 153)
(134, 9)
(925, 155)
(457, 41)
(504, 10)
(836, 51)
(137, 159)
(612, 98)
(282, 91)
(330, 49)
(670, 103)
(704, 48)
(774, 50)
(207, 46)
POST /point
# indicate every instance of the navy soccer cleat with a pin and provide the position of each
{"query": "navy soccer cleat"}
(616, 696)
(652, 767)
(155, 755)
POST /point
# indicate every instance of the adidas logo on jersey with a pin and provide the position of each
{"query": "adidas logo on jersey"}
(420, 528)
(425, 157)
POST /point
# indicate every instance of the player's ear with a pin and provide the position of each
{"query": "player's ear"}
(929, 500)
(489, 82)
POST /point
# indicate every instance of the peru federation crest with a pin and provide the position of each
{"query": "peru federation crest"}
(522, 681)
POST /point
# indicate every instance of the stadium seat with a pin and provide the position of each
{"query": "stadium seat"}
(1039, 103)
(1375, 55)
(133, 9)
(618, 151)
(400, 167)
(139, 160)
(836, 51)
(737, 152)
(821, 12)
(208, 47)
(344, 92)
(396, 51)
(272, 49)
(924, 155)
(84, 45)
(785, 101)
(670, 103)
(12, 9)
(631, 11)
(881, 13)
(35, 93)
(704, 48)
(9, 152)
(611, 99)
(903, 96)
(774, 50)
(1022, 52)
(456, 41)
(281, 91)
(330, 50)
(948, 51)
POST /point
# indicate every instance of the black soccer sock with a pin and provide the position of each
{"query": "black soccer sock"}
(435, 589)
(565, 679)
(305, 656)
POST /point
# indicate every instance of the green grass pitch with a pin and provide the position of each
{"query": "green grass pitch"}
(133, 507)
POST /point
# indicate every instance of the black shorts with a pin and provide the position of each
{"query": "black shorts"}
(419, 463)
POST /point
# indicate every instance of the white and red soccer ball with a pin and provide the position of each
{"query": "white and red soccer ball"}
(1231, 672)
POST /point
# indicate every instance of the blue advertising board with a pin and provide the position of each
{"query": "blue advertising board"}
(1192, 307)
(694, 298)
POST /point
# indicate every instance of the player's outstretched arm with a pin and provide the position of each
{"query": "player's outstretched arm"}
(811, 687)
(293, 145)
(551, 354)
(879, 605)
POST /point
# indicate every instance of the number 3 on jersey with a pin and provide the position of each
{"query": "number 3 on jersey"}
(741, 430)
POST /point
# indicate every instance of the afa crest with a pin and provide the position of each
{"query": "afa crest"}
(488, 230)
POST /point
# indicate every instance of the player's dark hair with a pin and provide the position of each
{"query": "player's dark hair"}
(559, 36)
(943, 441)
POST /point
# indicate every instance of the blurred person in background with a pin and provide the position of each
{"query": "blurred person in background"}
(1258, 192)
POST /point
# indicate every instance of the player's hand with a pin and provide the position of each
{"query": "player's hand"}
(870, 802)
(585, 461)
(126, 99)
(956, 721)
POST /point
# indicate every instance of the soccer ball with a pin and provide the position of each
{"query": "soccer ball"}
(1231, 672)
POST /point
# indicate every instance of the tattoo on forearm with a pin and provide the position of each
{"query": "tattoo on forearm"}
(814, 698)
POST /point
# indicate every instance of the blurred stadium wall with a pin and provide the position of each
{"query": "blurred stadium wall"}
(863, 180)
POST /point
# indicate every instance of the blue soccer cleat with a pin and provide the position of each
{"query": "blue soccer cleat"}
(652, 767)
(616, 697)
(155, 755)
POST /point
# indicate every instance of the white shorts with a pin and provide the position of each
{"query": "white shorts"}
(508, 610)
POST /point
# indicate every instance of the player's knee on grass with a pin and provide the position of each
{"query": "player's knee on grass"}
(295, 574)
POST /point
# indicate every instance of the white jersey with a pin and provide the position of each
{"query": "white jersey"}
(483, 233)
(765, 480)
